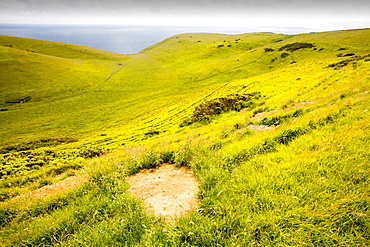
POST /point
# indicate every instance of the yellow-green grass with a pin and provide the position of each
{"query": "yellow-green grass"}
(304, 182)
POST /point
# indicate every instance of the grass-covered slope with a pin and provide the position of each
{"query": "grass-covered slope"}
(275, 127)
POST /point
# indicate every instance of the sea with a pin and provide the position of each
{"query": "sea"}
(114, 38)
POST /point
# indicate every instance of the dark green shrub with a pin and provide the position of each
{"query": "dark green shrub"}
(152, 133)
(349, 55)
(284, 55)
(296, 46)
(208, 109)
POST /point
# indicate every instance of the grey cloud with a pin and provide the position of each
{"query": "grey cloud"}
(190, 5)
(217, 8)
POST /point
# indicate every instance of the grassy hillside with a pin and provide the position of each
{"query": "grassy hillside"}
(275, 127)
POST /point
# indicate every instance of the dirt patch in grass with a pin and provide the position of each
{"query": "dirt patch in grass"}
(299, 105)
(53, 189)
(166, 191)
(260, 128)
(261, 115)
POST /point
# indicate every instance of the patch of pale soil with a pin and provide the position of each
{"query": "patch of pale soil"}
(260, 128)
(53, 189)
(166, 191)
(299, 104)
(261, 115)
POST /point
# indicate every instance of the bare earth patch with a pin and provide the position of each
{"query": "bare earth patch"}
(53, 189)
(261, 115)
(259, 128)
(166, 191)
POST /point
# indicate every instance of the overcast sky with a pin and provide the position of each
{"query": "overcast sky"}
(315, 15)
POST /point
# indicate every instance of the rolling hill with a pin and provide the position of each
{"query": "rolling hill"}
(275, 127)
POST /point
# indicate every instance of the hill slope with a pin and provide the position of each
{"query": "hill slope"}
(275, 127)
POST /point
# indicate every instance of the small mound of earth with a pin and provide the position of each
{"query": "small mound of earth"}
(166, 191)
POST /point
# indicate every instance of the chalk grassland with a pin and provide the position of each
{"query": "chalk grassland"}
(275, 127)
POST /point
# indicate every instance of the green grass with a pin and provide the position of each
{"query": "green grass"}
(305, 182)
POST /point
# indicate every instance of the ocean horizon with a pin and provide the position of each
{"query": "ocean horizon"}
(116, 38)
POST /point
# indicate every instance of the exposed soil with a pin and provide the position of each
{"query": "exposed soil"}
(300, 104)
(261, 115)
(260, 128)
(53, 189)
(166, 191)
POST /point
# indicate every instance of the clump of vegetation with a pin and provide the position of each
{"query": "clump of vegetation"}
(296, 46)
(19, 101)
(346, 55)
(152, 133)
(284, 55)
(291, 134)
(345, 62)
(269, 50)
(259, 110)
(278, 120)
(208, 109)
(349, 55)
(88, 151)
